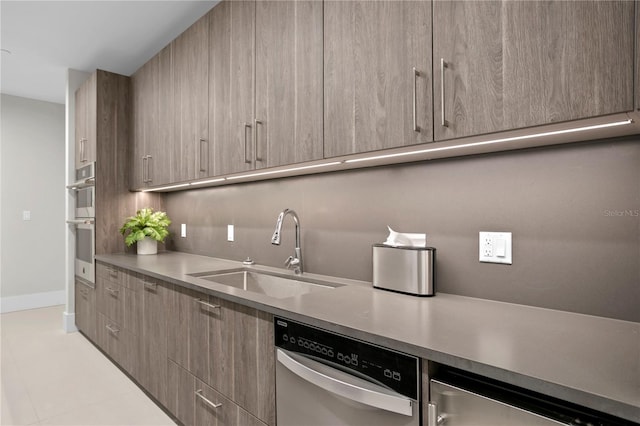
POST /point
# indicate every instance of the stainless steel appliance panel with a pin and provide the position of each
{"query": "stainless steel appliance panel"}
(453, 406)
(85, 249)
(327, 379)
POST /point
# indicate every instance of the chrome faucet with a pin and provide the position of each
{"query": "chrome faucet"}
(293, 262)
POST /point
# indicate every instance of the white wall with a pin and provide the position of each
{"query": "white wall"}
(32, 159)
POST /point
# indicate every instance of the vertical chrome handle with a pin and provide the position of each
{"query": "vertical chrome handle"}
(144, 169)
(246, 125)
(204, 398)
(443, 65)
(83, 150)
(416, 74)
(202, 168)
(149, 169)
(255, 139)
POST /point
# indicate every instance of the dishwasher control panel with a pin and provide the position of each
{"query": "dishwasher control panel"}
(395, 370)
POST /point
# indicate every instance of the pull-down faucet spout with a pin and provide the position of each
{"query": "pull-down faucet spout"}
(293, 262)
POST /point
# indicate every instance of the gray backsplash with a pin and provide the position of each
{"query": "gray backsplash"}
(573, 211)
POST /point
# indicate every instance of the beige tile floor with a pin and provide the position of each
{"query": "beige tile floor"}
(49, 377)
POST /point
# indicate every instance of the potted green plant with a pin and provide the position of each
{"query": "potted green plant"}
(146, 228)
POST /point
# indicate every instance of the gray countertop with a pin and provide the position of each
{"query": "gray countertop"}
(591, 361)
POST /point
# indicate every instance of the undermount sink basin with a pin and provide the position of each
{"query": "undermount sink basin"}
(267, 283)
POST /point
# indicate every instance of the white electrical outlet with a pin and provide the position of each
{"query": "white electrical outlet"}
(495, 247)
(26, 215)
(183, 230)
(230, 232)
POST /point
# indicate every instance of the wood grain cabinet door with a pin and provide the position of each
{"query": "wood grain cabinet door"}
(288, 121)
(190, 95)
(188, 339)
(85, 307)
(242, 361)
(514, 64)
(144, 111)
(231, 87)
(153, 359)
(377, 75)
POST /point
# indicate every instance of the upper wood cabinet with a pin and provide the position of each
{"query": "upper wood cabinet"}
(86, 99)
(152, 122)
(265, 84)
(513, 64)
(288, 120)
(231, 88)
(377, 75)
(189, 102)
(637, 55)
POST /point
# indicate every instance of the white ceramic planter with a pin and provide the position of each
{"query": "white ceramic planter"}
(147, 246)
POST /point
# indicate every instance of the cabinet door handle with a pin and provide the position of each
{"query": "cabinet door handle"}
(149, 168)
(113, 329)
(208, 305)
(443, 65)
(245, 126)
(203, 168)
(416, 74)
(204, 398)
(144, 169)
(113, 292)
(255, 139)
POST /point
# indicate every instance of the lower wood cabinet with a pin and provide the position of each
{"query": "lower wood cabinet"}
(117, 342)
(85, 307)
(152, 348)
(175, 341)
(227, 346)
(212, 408)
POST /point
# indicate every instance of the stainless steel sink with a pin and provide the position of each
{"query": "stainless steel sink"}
(275, 285)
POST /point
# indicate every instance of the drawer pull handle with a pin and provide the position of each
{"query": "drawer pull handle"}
(113, 272)
(208, 305)
(202, 397)
(113, 292)
(150, 286)
(113, 329)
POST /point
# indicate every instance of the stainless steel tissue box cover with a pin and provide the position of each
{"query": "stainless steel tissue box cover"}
(408, 270)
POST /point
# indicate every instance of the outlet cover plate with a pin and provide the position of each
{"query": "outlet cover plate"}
(495, 247)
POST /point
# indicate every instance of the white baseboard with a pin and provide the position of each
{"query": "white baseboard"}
(69, 322)
(32, 301)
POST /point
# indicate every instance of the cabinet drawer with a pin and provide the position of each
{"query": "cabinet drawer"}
(212, 408)
(110, 300)
(115, 274)
(117, 342)
(85, 308)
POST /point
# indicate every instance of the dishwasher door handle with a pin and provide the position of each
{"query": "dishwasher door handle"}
(381, 400)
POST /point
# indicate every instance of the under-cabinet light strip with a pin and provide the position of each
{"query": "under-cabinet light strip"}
(492, 141)
(291, 169)
(400, 154)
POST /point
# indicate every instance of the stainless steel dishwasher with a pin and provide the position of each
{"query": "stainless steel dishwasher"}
(464, 399)
(323, 379)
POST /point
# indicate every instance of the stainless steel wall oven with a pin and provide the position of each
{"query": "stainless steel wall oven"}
(84, 222)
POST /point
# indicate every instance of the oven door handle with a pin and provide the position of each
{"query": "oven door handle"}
(81, 221)
(378, 399)
(89, 182)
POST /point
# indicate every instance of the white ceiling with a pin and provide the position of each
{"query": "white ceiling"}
(48, 37)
